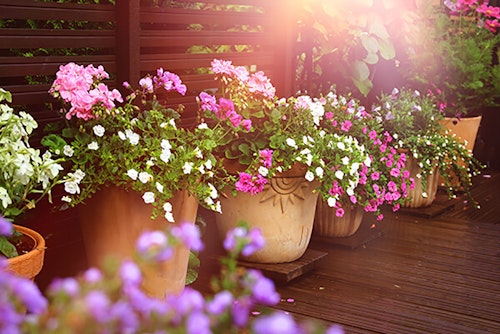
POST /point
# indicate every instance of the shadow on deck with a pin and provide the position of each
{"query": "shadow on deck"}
(411, 273)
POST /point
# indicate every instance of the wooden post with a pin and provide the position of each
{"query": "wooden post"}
(284, 24)
(128, 35)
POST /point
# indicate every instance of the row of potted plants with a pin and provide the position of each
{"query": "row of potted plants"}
(356, 156)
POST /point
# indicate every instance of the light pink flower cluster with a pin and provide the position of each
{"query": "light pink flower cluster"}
(163, 79)
(82, 88)
(256, 83)
(224, 110)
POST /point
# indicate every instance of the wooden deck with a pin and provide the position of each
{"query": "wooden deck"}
(410, 274)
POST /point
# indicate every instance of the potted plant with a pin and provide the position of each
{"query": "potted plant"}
(26, 177)
(413, 120)
(453, 53)
(132, 167)
(276, 156)
(383, 180)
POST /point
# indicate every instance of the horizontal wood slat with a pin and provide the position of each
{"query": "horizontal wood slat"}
(20, 66)
(189, 38)
(74, 13)
(211, 17)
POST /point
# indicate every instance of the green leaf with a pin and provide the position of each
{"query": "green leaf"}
(378, 29)
(364, 86)
(6, 248)
(387, 50)
(193, 268)
(5, 95)
(371, 59)
(369, 43)
(359, 70)
(54, 142)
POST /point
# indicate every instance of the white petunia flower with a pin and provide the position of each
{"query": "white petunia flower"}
(290, 142)
(159, 187)
(98, 130)
(339, 174)
(309, 176)
(169, 216)
(93, 146)
(68, 151)
(320, 172)
(132, 173)
(188, 166)
(145, 177)
(71, 187)
(148, 197)
(331, 202)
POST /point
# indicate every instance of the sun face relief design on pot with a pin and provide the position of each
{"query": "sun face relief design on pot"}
(285, 191)
(284, 213)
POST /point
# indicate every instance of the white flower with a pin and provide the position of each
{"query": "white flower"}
(68, 151)
(341, 146)
(290, 142)
(349, 191)
(331, 202)
(165, 155)
(345, 160)
(169, 216)
(122, 135)
(132, 173)
(148, 197)
(66, 199)
(339, 174)
(159, 187)
(132, 137)
(213, 191)
(309, 176)
(424, 195)
(71, 187)
(188, 166)
(208, 164)
(4, 197)
(165, 144)
(319, 172)
(78, 175)
(203, 126)
(198, 153)
(145, 177)
(93, 146)
(98, 130)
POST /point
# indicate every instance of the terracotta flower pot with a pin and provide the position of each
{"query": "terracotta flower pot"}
(466, 130)
(283, 211)
(327, 224)
(114, 219)
(416, 200)
(30, 264)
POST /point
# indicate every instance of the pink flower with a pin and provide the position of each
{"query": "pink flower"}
(339, 212)
(392, 186)
(267, 157)
(375, 176)
(395, 172)
(246, 124)
(259, 83)
(247, 183)
(328, 115)
(222, 66)
(346, 125)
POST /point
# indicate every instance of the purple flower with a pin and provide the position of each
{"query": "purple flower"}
(189, 234)
(263, 289)
(98, 305)
(130, 273)
(255, 242)
(276, 323)
(67, 286)
(198, 323)
(335, 329)
(220, 303)
(30, 295)
(92, 275)
(125, 315)
(5, 227)
(241, 310)
(154, 245)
